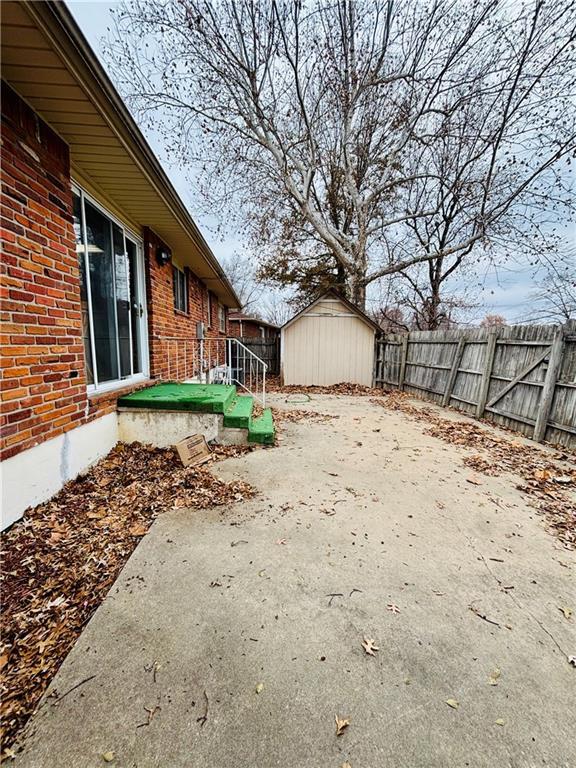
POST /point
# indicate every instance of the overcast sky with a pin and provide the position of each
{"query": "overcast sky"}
(506, 293)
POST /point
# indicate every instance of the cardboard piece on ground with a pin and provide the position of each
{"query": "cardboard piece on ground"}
(193, 450)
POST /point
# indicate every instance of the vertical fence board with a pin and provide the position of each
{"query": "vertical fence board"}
(473, 366)
(266, 349)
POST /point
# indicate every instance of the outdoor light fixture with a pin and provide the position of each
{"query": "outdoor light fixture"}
(163, 255)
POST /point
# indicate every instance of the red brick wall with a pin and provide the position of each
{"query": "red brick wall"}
(42, 374)
(168, 327)
(233, 328)
(249, 328)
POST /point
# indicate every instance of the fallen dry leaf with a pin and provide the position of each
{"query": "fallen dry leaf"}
(56, 602)
(108, 757)
(452, 703)
(341, 724)
(494, 677)
(566, 611)
(138, 530)
(500, 721)
(369, 647)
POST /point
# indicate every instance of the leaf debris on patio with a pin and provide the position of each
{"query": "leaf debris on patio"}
(547, 478)
(273, 385)
(296, 414)
(62, 557)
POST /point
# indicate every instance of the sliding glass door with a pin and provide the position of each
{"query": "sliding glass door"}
(112, 295)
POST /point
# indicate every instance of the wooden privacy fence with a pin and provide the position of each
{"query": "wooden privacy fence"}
(266, 349)
(522, 377)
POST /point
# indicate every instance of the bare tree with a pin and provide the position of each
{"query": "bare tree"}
(277, 309)
(409, 302)
(239, 269)
(554, 300)
(360, 136)
(493, 321)
(391, 319)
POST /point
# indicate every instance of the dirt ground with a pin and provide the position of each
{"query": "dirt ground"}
(234, 638)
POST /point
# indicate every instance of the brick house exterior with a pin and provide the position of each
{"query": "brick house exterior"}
(244, 326)
(166, 322)
(69, 349)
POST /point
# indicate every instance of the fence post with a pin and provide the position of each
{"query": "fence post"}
(486, 373)
(403, 361)
(549, 387)
(454, 371)
(376, 368)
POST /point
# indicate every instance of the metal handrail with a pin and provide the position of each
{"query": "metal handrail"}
(255, 363)
(211, 359)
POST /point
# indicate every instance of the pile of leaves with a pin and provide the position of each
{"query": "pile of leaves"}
(273, 385)
(294, 415)
(219, 452)
(282, 416)
(548, 478)
(61, 559)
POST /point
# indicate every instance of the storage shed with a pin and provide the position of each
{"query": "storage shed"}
(329, 342)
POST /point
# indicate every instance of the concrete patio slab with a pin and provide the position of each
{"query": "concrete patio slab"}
(234, 639)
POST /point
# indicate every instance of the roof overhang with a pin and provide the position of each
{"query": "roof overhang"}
(348, 304)
(48, 62)
(233, 318)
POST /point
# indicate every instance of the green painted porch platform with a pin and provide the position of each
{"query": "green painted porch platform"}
(206, 398)
(203, 398)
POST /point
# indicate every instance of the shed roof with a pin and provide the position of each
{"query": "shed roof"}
(49, 63)
(337, 295)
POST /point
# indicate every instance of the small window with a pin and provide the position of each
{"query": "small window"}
(209, 310)
(180, 286)
(221, 318)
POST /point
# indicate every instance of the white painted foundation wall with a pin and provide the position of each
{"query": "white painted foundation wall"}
(166, 428)
(33, 476)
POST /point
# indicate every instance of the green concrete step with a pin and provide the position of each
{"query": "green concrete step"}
(202, 398)
(261, 429)
(239, 412)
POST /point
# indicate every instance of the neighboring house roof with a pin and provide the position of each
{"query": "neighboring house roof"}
(48, 61)
(336, 295)
(240, 317)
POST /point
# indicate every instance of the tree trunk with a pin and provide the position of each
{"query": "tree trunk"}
(357, 279)
(359, 296)
(435, 318)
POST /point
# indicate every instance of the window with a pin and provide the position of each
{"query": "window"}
(180, 285)
(221, 318)
(209, 323)
(111, 294)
